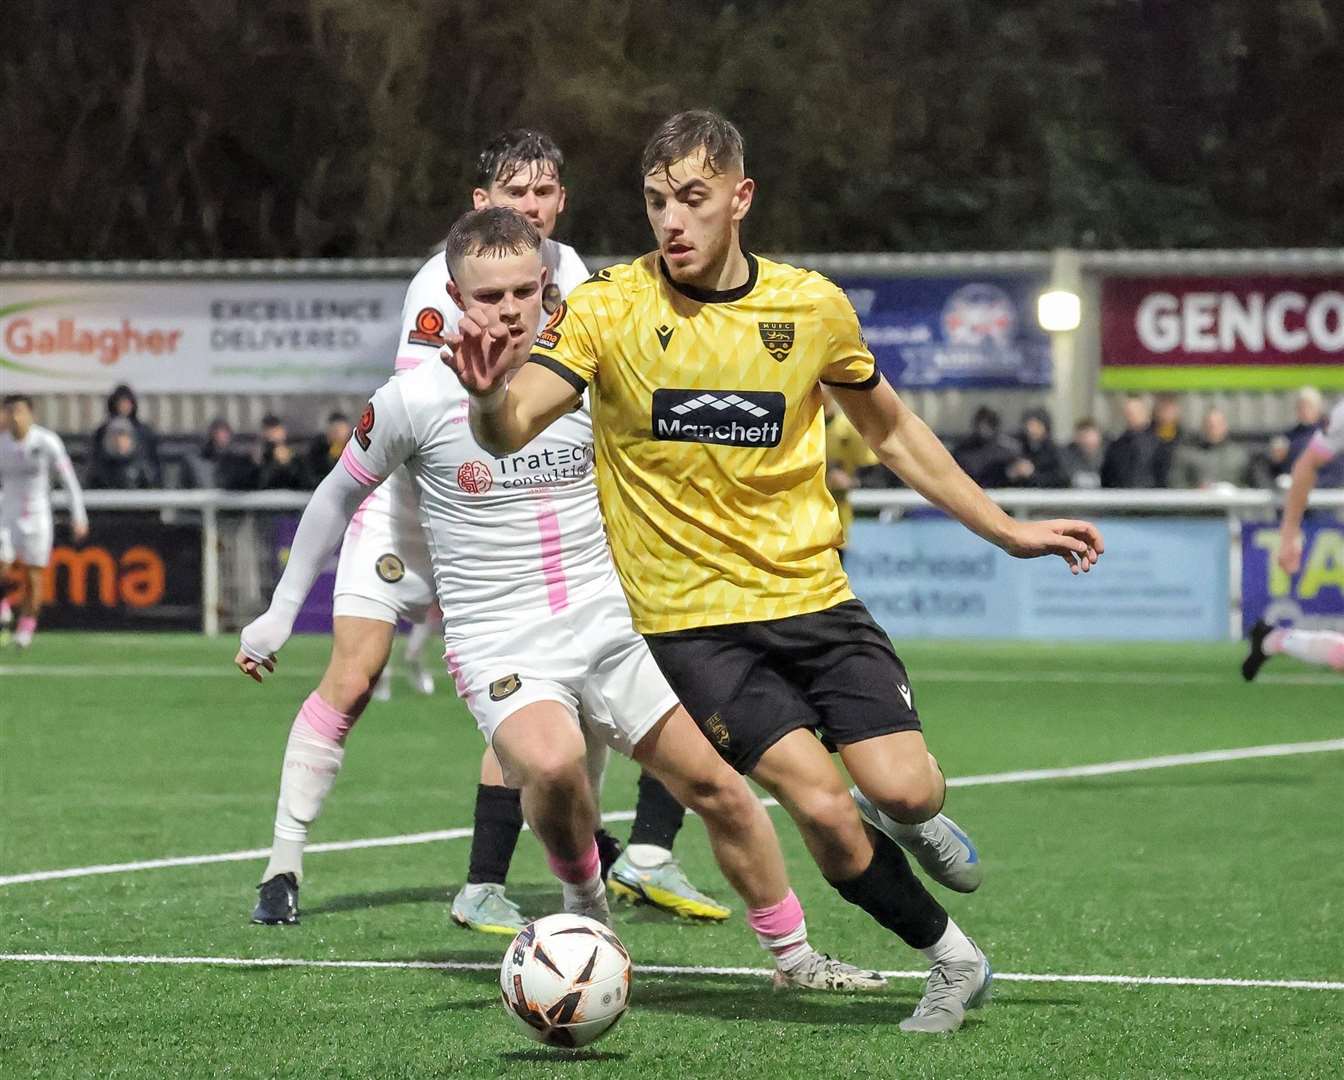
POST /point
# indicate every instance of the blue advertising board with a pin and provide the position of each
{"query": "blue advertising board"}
(954, 331)
(1162, 579)
(1313, 598)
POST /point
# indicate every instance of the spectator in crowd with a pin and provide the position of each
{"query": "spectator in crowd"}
(219, 464)
(1310, 408)
(281, 467)
(326, 448)
(123, 405)
(847, 455)
(1131, 460)
(119, 461)
(1167, 428)
(1082, 458)
(1213, 460)
(1038, 463)
(986, 453)
(1271, 466)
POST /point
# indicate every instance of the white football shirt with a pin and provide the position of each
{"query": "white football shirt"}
(427, 313)
(1329, 441)
(512, 538)
(25, 476)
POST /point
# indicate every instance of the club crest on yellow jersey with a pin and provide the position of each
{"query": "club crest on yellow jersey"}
(777, 337)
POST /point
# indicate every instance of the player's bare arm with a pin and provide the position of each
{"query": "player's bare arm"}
(505, 413)
(905, 445)
(1305, 472)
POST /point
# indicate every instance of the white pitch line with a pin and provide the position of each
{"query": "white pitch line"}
(1026, 776)
(647, 969)
(1118, 678)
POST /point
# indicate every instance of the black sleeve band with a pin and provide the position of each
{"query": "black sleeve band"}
(867, 384)
(552, 364)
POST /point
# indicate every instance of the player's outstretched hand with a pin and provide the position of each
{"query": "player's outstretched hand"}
(260, 640)
(1078, 543)
(478, 352)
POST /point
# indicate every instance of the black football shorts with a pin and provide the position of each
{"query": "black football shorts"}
(749, 684)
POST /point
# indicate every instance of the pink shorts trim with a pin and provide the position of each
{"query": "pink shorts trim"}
(552, 560)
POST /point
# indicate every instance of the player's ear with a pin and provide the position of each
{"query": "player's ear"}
(480, 199)
(456, 294)
(743, 193)
(560, 206)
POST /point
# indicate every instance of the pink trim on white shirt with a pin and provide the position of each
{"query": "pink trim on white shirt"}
(355, 469)
(407, 363)
(1321, 450)
(552, 563)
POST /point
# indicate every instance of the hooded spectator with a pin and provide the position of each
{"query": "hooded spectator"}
(1131, 460)
(119, 462)
(219, 464)
(1082, 458)
(325, 450)
(123, 405)
(1213, 459)
(986, 453)
(1038, 463)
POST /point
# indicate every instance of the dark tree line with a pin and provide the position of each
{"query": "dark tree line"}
(212, 128)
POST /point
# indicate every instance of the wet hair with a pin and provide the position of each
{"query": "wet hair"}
(683, 134)
(495, 231)
(510, 152)
(18, 399)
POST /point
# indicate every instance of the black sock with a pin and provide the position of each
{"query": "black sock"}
(889, 891)
(658, 816)
(496, 825)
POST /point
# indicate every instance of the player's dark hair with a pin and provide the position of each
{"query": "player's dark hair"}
(338, 416)
(495, 231)
(509, 152)
(15, 399)
(681, 135)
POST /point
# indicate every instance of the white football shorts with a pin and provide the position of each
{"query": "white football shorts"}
(26, 540)
(587, 658)
(384, 572)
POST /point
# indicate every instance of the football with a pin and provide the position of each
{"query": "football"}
(565, 980)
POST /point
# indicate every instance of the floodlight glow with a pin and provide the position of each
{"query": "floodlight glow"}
(1059, 311)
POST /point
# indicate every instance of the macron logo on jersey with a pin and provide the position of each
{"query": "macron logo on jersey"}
(719, 417)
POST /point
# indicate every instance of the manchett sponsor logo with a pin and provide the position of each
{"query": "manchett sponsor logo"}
(719, 417)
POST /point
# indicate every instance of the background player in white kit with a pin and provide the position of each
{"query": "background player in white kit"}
(1324, 647)
(538, 634)
(384, 574)
(28, 453)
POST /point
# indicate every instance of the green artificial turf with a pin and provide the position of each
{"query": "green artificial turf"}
(116, 748)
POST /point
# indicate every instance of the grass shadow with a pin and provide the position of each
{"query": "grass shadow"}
(562, 1057)
(427, 894)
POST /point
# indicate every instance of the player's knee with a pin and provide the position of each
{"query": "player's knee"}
(349, 690)
(909, 796)
(556, 772)
(719, 798)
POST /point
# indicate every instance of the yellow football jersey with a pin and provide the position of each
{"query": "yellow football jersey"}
(711, 450)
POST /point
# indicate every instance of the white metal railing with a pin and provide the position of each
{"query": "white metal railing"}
(1233, 504)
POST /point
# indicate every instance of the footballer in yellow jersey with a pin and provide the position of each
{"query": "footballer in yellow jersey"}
(703, 363)
(709, 436)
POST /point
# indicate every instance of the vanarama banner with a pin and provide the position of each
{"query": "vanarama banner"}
(202, 336)
(1222, 333)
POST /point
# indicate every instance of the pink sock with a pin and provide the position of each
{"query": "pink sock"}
(781, 929)
(5, 610)
(578, 871)
(27, 625)
(325, 720)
